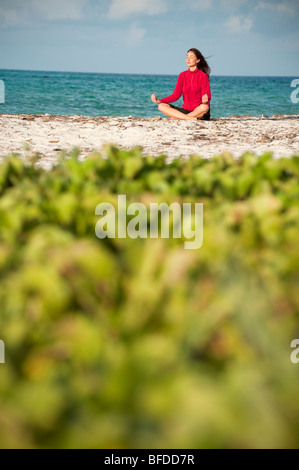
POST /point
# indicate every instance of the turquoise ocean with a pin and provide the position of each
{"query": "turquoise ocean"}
(97, 94)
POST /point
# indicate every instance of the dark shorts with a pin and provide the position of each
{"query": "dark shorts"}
(205, 117)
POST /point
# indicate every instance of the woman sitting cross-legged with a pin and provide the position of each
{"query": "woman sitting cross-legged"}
(194, 85)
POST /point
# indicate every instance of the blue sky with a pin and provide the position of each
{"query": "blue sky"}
(241, 37)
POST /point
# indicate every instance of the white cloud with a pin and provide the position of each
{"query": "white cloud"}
(199, 4)
(232, 4)
(59, 9)
(123, 8)
(135, 35)
(239, 24)
(288, 7)
(8, 17)
(13, 12)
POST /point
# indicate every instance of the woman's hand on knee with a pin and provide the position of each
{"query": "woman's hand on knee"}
(155, 99)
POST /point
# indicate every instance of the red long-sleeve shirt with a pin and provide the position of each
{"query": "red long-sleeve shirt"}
(192, 85)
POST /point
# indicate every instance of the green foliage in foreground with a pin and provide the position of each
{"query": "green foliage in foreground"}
(122, 343)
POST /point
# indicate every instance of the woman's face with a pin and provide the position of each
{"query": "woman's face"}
(191, 59)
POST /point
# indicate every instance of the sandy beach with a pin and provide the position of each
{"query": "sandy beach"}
(49, 134)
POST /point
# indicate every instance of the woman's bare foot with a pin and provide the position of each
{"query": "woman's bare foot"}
(190, 118)
(184, 118)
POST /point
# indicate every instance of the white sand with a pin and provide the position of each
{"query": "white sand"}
(48, 134)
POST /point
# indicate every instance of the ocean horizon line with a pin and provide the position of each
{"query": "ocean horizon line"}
(142, 74)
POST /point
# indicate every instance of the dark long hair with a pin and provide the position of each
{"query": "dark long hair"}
(202, 65)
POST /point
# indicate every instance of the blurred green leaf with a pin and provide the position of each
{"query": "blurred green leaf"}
(122, 343)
